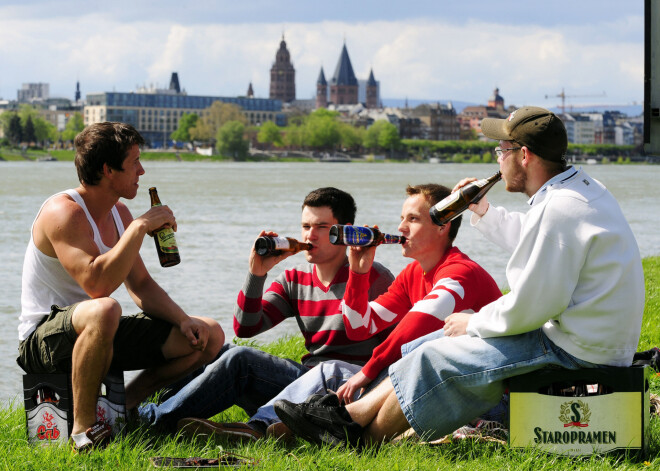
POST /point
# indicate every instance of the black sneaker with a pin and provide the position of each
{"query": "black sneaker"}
(320, 421)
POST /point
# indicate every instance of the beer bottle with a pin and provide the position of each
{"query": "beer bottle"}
(361, 236)
(268, 245)
(453, 205)
(168, 252)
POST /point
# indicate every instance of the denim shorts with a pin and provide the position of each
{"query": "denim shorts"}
(446, 382)
(137, 344)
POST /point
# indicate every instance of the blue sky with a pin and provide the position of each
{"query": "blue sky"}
(430, 50)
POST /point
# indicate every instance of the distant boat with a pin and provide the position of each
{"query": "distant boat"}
(326, 157)
(434, 160)
(204, 151)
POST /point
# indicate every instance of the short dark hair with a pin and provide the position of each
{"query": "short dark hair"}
(341, 203)
(435, 193)
(103, 143)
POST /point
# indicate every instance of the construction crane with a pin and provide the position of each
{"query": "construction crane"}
(563, 97)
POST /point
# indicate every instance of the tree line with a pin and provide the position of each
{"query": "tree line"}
(324, 131)
(225, 127)
(27, 127)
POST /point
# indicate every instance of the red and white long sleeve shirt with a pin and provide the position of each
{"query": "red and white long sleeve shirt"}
(416, 302)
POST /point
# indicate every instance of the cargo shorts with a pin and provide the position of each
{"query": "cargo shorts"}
(137, 344)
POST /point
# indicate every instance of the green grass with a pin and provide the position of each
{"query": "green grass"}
(132, 451)
(64, 155)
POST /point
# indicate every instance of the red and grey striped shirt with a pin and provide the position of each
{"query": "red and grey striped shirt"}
(298, 293)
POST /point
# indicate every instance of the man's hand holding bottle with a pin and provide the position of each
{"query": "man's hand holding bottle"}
(260, 265)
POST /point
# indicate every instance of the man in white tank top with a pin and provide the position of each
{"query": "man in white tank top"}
(84, 244)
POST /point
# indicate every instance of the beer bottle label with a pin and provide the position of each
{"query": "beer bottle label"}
(355, 235)
(390, 239)
(167, 241)
(281, 243)
(481, 183)
(451, 199)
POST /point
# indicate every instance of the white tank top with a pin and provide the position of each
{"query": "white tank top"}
(46, 282)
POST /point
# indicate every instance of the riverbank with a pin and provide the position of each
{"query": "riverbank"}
(175, 155)
(132, 451)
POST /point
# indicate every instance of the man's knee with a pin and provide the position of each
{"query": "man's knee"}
(102, 314)
(216, 339)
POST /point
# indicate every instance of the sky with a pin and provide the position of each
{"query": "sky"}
(431, 50)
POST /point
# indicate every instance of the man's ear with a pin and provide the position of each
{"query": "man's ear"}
(107, 171)
(527, 156)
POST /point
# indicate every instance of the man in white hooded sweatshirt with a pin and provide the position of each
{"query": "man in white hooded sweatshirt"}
(576, 300)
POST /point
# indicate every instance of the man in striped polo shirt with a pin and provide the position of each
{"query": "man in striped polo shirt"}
(311, 293)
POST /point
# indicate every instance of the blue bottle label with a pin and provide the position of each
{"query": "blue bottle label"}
(355, 235)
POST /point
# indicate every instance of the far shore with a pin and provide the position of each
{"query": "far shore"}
(303, 156)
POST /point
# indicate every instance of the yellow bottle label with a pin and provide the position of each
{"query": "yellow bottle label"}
(167, 241)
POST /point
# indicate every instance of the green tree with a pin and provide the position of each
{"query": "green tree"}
(187, 121)
(216, 116)
(322, 130)
(14, 130)
(350, 136)
(388, 138)
(74, 125)
(293, 136)
(269, 133)
(28, 131)
(382, 135)
(230, 140)
(43, 130)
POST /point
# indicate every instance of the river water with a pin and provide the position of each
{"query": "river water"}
(221, 207)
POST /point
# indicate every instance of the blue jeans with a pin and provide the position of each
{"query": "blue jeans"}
(445, 382)
(329, 375)
(241, 376)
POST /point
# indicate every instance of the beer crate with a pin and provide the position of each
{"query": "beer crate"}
(581, 412)
(49, 406)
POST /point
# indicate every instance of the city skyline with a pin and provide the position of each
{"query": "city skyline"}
(593, 50)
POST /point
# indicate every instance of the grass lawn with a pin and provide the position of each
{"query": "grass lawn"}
(132, 451)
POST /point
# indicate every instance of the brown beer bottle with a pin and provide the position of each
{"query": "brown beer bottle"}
(268, 245)
(168, 252)
(361, 236)
(453, 205)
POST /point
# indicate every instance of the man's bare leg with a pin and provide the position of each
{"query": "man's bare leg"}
(389, 422)
(95, 321)
(183, 360)
(380, 413)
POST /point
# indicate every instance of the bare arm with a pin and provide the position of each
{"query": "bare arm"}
(63, 231)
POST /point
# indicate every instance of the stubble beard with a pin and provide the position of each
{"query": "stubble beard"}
(516, 180)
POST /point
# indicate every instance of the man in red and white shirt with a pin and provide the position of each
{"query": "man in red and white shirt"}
(441, 280)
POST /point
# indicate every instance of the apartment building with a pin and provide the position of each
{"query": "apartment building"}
(155, 113)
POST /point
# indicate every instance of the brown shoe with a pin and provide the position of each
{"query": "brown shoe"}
(279, 431)
(234, 431)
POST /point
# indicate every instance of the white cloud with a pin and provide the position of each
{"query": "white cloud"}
(425, 59)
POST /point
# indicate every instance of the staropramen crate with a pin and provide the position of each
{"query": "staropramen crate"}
(580, 412)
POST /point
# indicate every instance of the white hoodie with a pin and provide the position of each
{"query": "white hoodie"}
(575, 271)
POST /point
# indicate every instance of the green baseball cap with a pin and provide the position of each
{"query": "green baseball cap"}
(537, 128)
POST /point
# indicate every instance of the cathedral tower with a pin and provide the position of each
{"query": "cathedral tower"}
(372, 91)
(321, 91)
(283, 76)
(344, 85)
